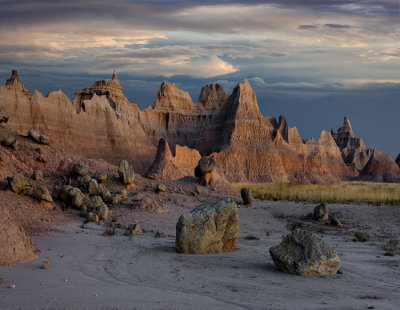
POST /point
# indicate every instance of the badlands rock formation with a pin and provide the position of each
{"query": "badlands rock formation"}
(372, 165)
(102, 123)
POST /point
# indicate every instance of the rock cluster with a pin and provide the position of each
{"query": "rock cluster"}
(209, 228)
(303, 253)
(89, 194)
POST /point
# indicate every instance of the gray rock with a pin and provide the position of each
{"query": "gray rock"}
(93, 188)
(321, 212)
(197, 190)
(133, 230)
(41, 192)
(37, 175)
(3, 115)
(207, 164)
(64, 196)
(123, 193)
(205, 170)
(161, 188)
(115, 199)
(10, 142)
(100, 176)
(44, 140)
(77, 201)
(92, 217)
(42, 159)
(337, 218)
(94, 203)
(83, 181)
(160, 234)
(126, 173)
(303, 253)
(104, 192)
(247, 195)
(102, 212)
(17, 182)
(34, 135)
(14, 145)
(209, 228)
(80, 169)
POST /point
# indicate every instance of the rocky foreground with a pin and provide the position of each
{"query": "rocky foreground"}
(102, 123)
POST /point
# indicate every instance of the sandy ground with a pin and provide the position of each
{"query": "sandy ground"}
(93, 271)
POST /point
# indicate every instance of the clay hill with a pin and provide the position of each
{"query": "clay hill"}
(247, 146)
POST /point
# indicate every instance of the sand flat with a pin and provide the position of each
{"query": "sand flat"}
(94, 271)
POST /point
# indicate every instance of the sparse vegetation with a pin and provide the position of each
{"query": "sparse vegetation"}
(351, 192)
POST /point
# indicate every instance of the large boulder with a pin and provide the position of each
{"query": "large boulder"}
(205, 170)
(17, 182)
(126, 173)
(303, 253)
(3, 115)
(398, 160)
(209, 228)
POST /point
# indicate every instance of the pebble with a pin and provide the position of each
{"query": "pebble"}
(12, 286)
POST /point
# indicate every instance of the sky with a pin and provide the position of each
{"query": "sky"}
(313, 61)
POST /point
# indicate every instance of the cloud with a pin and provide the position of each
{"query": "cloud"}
(337, 26)
(309, 27)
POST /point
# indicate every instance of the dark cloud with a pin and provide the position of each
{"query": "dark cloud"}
(337, 26)
(309, 27)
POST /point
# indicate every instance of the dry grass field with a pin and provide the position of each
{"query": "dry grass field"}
(352, 192)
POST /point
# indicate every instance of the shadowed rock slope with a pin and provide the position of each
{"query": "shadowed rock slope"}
(102, 123)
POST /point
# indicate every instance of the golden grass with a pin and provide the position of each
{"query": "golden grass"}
(352, 192)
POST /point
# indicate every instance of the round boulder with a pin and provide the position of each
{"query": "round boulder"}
(17, 182)
(321, 212)
(303, 253)
(209, 228)
(100, 176)
(337, 218)
(80, 169)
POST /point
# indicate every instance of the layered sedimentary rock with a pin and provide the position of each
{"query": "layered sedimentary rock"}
(167, 166)
(353, 150)
(100, 122)
(380, 167)
(371, 164)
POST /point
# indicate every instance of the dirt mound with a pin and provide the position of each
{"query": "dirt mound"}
(16, 246)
